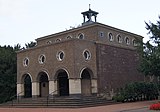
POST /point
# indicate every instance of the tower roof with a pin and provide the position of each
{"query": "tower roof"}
(89, 15)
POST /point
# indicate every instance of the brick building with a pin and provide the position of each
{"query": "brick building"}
(86, 60)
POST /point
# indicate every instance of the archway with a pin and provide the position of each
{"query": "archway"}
(63, 83)
(43, 84)
(27, 86)
(86, 82)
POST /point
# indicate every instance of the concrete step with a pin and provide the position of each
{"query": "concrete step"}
(58, 102)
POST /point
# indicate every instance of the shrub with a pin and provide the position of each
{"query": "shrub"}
(120, 96)
(137, 91)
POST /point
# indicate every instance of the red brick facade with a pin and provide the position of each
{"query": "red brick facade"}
(116, 67)
(96, 56)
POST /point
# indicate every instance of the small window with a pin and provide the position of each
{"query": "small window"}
(60, 55)
(87, 55)
(127, 40)
(42, 59)
(101, 34)
(69, 37)
(81, 36)
(110, 36)
(58, 40)
(26, 62)
(135, 42)
(119, 38)
(49, 42)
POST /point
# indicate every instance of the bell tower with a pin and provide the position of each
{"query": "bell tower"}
(89, 14)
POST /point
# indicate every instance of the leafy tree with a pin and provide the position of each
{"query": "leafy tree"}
(150, 64)
(17, 47)
(30, 45)
(8, 72)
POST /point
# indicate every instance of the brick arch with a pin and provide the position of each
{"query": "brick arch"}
(43, 80)
(27, 85)
(41, 72)
(89, 70)
(86, 76)
(23, 77)
(62, 79)
(60, 70)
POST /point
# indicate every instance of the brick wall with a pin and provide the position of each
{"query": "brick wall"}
(116, 67)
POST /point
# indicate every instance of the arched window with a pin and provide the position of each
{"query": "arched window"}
(110, 36)
(119, 38)
(58, 40)
(134, 42)
(69, 37)
(127, 40)
(49, 42)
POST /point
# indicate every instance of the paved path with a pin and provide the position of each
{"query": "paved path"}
(139, 110)
(124, 107)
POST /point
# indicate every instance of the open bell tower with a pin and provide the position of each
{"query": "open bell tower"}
(89, 14)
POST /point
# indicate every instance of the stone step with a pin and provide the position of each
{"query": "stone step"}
(58, 102)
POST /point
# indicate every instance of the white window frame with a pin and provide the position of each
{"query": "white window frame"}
(88, 54)
(59, 56)
(40, 60)
(25, 63)
(111, 38)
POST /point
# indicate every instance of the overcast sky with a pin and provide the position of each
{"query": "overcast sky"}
(22, 21)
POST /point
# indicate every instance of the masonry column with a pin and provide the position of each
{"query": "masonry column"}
(75, 87)
(51, 87)
(20, 90)
(94, 86)
(35, 89)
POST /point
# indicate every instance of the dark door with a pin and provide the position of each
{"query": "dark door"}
(44, 85)
(86, 83)
(63, 84)
(27, 87)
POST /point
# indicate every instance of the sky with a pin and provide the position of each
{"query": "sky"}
(23, 21)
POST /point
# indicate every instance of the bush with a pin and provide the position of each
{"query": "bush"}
(119, 97)
(137, 91)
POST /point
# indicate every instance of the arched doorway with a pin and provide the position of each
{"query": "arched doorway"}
(27, 86)
(63, 83)
(43, 84)
(86, 82)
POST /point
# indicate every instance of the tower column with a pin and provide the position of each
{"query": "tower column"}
(51, 86)
(20, 90)
(75, 86)
(95, 18)
(94, 86)
(35, 89)
(84, 19)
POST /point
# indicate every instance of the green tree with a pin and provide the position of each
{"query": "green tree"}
(150, 64)
(8, 71)
(30, 45)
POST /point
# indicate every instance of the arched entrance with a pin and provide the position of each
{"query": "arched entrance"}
(63, 83)
(43, 84)
(27, 86)
(86, 82)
